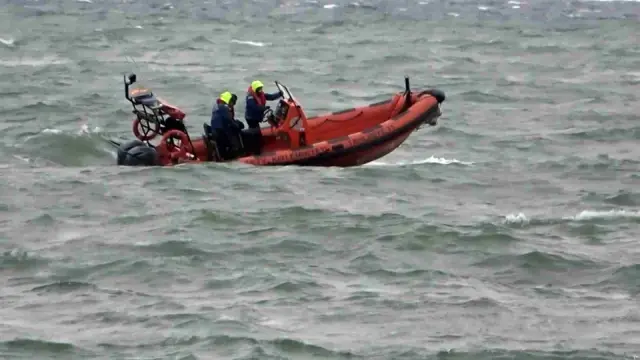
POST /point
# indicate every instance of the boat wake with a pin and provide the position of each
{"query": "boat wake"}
(63, 147)
(430, 160)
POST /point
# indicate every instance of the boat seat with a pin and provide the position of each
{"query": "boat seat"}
(146, 98)
(238, 144)
(210, 137)
(173, 124)
(209, 132)
(252, 140)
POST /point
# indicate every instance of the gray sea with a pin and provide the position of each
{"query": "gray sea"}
(508, 231)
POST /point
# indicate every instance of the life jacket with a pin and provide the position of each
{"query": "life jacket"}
(232, 109)
(261, 99)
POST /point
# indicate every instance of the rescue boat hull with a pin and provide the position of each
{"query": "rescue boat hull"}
(360, 147)
(345, 138)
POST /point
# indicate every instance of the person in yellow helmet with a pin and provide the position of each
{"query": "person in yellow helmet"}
(223, 122)
(256, 103)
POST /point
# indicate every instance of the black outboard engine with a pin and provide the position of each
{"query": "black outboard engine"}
(137, 153)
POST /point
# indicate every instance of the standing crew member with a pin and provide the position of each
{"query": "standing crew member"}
(256, 102)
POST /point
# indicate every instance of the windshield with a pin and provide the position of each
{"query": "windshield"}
(286, 92)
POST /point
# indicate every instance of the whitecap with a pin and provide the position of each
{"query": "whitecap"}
(8, 42)
(518, 218)
(22, 158)
(247, 42)
(47, 60)
(84, 129)
(584, 215)
(52, 131)
(594, 214)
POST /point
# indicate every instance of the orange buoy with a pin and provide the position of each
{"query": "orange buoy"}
(138, 129)
(177, 152)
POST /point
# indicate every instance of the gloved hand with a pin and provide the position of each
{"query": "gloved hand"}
(281, 93)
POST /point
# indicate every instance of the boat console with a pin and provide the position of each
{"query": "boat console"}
(289, 120)
(281, 110)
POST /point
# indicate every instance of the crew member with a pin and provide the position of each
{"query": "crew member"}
(223, 123)
(256, 102)
(232, 108)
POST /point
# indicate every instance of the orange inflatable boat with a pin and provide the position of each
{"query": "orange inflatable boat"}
(345, 138)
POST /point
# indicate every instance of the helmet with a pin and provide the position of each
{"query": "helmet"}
(256, 85)
(226, 97)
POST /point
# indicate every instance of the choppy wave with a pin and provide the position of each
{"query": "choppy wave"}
(585, 215)
(342, 10)
(506, 231)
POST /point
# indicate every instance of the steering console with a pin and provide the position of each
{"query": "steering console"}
(269, 117)
(282, 110)
(275, 119)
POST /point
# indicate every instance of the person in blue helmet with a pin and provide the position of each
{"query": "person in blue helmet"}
(223, 122)
(256, 102)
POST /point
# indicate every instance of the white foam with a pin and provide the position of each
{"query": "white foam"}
(52, 131)
(593, 214)
(22, 158)
(8, 42)
(84, 129)
(67, 235)
(47, 60)
(330, 6)
(430, 160)
(247, 42)
(521, 218)
(518, 218)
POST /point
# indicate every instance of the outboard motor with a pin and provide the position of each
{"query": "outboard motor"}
(137, 153)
